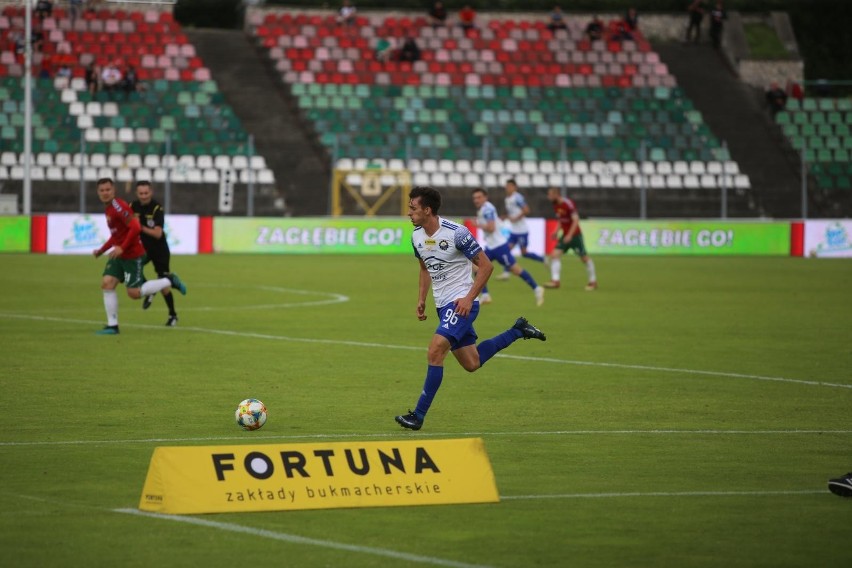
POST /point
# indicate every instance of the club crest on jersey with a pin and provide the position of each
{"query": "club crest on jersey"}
(444, 245)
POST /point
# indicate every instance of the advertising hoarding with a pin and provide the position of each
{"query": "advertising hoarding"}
(828, 238)
(75, 233)
(14, 233)
(672, 237)
(312, 235)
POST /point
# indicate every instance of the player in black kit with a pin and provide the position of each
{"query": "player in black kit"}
(152, 218)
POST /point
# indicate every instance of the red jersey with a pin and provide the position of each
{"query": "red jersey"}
(124, 230)
(564, 208)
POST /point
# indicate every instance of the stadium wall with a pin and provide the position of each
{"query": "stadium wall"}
(68, 233)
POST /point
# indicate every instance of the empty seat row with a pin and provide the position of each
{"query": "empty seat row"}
(509, 168)
(157, 175)
(134, 161)
(571, 180)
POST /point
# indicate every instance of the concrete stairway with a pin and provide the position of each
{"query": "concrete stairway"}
(736, 114)
(252, 88)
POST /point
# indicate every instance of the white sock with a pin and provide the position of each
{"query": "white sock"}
(555, 269)
(151, 287)
(590, 268)
(111, 306)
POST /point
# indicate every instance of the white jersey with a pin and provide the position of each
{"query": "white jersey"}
(487, 213)
(447, 255)
(515, 204)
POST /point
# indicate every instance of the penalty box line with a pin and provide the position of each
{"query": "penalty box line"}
(350, 343)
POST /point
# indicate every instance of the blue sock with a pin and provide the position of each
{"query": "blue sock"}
(527, 277)
(485, 289)
(534, 256)
(434, 376)
(488, 348)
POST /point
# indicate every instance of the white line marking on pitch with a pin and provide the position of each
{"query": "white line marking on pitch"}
(295, 539)
(409, 348)
(396, 434)
(661, 494)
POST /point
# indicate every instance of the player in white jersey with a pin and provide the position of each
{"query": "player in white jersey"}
(447, 252)
(497, 246)
(516, 213)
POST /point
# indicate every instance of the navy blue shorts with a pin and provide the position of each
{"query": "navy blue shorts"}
(520, 239)
(502, 255)
(457, 329)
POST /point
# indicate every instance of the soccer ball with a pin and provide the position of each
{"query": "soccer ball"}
(251, 414)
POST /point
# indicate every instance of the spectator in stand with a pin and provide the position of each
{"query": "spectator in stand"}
(384, 50)
(794, 90)
(776, 98)
(632, 19)
(37, 38)
(595, 29)
(18, 39)
(409, 51)
(93, 78)
(696, 14)
(557, 20)
(130, 82)
(75, 7)
(467, 18)
(111, 77)
(46, 68)
(438, 15)
(718, 15)
(43, 9)
(64, 75)
(620, 31)
(346, 15)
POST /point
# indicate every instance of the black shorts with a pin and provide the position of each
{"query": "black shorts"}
(161, 264)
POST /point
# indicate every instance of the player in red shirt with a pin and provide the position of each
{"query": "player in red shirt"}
(126, 258)
(571, 238)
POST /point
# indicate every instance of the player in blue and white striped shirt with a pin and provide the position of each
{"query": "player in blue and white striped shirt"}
(519, 233)
(447, 253)
(497, 247)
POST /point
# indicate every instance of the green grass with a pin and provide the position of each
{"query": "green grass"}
(686, 414)
(763, 42)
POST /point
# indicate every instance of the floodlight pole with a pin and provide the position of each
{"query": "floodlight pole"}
(28, 109)
(643, 189)
(82, 172)
(804, 185)
(724, 190)
(250, 152)
(167, 197)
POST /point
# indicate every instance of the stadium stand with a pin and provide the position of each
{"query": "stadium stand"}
(822, 129)
(510, 98)
(176, 106)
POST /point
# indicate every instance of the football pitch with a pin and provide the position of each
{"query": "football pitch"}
(688, 413)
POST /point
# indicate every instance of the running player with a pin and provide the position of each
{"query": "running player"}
(446, 252)
(497, 247)
(516, 213)
(126, 257)
(571, 238)
(152, 218)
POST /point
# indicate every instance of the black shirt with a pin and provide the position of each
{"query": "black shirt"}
(152, 215)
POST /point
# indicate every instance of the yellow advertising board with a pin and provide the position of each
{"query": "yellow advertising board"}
(275, 477)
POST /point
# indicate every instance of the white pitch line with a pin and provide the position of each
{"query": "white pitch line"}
(396, 434)
(651, 368)
(295, 539)
(661, 494)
